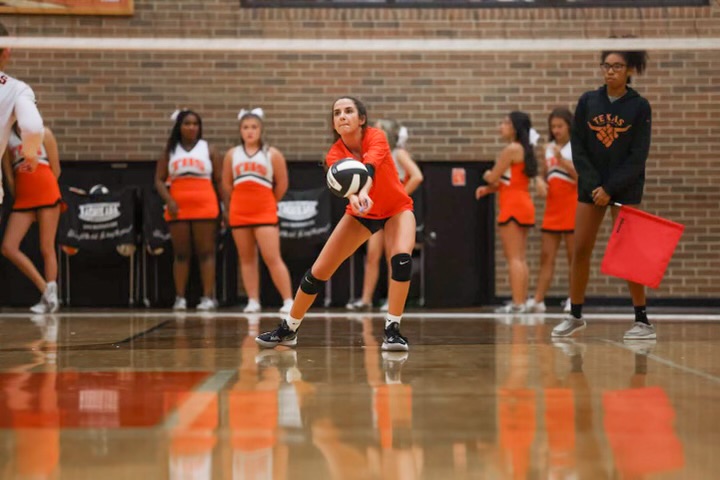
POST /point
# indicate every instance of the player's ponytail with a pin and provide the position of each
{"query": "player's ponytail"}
(521, 123)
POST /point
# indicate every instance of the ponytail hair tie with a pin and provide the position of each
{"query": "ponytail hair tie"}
(533, 137)
(403, 136)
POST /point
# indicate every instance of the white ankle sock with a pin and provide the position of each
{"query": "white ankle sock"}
(392, 318)
(293, 323)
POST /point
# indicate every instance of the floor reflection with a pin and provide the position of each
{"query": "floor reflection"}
(196, 399)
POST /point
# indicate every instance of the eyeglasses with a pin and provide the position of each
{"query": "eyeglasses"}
(616, 67)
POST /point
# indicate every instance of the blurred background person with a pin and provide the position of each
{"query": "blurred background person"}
(192, 169)
(559, 188)
(411, 178)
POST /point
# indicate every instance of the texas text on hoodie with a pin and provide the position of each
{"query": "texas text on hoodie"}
(610, 144)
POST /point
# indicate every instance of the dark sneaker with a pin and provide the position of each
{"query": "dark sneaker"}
(393, 341)
(282, 335)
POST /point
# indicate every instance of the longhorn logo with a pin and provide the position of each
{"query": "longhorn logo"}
(607, 133)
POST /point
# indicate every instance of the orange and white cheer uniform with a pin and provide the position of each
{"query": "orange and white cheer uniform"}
(33, 190)
(190, 176)
(252, 202)
(514, 197)
(561, 202)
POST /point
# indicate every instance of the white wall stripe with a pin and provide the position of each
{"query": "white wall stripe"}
(357, 45)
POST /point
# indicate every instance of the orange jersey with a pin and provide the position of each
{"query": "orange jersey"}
(387, 193)
(514, 197)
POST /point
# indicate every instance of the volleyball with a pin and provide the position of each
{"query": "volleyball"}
(346, 177)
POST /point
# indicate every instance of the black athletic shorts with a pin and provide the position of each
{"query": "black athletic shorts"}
(372, 224)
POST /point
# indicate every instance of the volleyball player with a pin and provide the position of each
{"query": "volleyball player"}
(381, 203)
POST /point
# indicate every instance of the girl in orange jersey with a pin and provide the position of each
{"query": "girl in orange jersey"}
(381, 203)
(37, 197)
(510, 176)
(560, 192)
(411, 178)
(254, 179)
(190, 166)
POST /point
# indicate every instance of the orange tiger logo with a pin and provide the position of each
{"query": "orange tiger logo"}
(609, 129)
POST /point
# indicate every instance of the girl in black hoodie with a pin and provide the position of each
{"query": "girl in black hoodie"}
(610, 144)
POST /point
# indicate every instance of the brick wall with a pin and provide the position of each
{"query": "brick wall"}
(115, 105)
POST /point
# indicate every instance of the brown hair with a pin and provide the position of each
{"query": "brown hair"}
(362, 112)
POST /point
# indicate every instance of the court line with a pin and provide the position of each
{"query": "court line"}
(185, 414)
(142, 333)
(669, 363)
(679, 316)
(387, 45)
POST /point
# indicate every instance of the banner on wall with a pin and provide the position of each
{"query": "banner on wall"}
(98, 223)
(155, 231)
(68, 7)
(304, 217)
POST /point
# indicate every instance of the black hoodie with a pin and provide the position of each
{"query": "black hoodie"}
(610, 144)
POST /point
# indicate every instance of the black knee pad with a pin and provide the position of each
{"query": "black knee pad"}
(310, 284)
(401, 267)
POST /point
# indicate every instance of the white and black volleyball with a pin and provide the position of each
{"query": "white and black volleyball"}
(346, 177)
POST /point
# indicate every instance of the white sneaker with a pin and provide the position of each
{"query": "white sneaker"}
(48, 301)
(566, 306)
(512, 308)
(385, 306)
(40, 307)
(51, 297)
(568, 326)
(253, 306)
(206, 304)
(535, 307)
(359, 305)
(180, 303)
(287, 306)
(641, 331)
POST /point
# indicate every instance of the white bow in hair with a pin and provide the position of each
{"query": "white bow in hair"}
(255, 111)
(534, 136)
(174, 115)
(403, 136)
